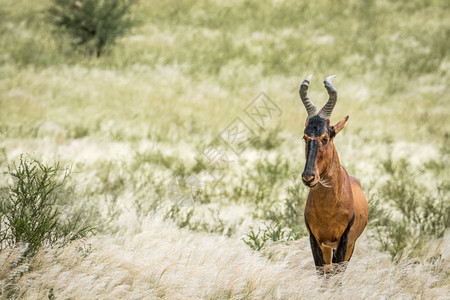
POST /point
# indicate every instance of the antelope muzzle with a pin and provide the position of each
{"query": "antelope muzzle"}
(310, 179)
(309, 175)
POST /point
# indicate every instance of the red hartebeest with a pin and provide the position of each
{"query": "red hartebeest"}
(336, 210)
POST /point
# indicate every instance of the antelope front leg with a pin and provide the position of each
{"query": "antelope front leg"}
(343, 242)
(316, 251)
(341, 249)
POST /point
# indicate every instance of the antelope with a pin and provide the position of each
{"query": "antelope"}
(336, 210)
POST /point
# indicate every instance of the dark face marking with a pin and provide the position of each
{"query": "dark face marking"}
(312, 147)
(315, 128)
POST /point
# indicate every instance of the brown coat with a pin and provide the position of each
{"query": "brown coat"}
(336, 211)
(330, 207)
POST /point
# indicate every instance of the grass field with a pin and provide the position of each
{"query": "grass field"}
(139, 124)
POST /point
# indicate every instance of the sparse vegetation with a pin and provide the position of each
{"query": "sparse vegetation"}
(410, 211)
(267, 139)
(29, 212)
(257, 238)
(141, 116)
(90, 23)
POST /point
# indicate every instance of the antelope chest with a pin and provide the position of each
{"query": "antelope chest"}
(327, 228)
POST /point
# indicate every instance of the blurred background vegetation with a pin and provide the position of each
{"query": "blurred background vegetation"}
(137, 115)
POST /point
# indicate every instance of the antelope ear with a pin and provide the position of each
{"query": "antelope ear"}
(306, 122)
(338, 127)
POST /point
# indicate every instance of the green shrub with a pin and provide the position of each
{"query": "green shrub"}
(406, 213)
(210, 221)
(92, 23)
(256, 239)
(267, 139)
(29, 212)
(294, 207)
(262, 182)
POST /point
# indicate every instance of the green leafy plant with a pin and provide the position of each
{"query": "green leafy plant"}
(29, 209)
(411, 213)
(294, 206)
(92, 23)
(291, 212)
(268, 139)
(257, 238)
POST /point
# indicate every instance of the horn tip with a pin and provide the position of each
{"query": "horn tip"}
(330, 78)
(309, 77)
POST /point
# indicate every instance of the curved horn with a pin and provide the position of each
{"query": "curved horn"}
(326, 111)
(310, 107)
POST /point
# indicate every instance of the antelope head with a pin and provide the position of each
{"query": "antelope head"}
(318, 134)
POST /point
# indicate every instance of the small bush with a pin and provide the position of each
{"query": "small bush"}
(182, 217)
(29, 212)
(406, 214)
(261, 183)
(291, 212)
(294, 206)
(268, 139)
(94, 24)
(256, 239)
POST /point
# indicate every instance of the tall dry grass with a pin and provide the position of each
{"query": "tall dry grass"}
(163, 261)
(142, 114)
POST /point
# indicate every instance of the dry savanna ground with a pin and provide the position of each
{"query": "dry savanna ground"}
(140, 126)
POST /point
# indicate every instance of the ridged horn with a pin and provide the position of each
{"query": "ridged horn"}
(311, 109)
(325, 112)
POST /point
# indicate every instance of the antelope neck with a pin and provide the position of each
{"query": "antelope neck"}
(332, 177)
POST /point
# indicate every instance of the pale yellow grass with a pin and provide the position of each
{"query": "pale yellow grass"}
(153, 259)
(150, 258)
(151, 95)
